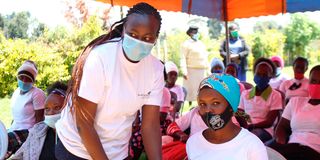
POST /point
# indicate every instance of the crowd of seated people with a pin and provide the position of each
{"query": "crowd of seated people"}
(276, 112)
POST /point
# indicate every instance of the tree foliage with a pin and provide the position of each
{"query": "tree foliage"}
(264, 46)
(261, 26)
(215, 28)
(54, 52)
(299, 33)
(17, 25)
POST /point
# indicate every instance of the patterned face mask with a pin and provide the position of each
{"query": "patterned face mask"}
(217, 121)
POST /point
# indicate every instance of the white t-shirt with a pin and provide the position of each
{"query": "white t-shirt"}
(120, 88)
(193, 120)
(245, 146)
(276, 82)
(303, 91)
(258, 108)
(304, 122)
(177, 89)
(23, 107)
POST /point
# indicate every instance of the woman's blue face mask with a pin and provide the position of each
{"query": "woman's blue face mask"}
(136, 49)
(261, 81)
(24, 86)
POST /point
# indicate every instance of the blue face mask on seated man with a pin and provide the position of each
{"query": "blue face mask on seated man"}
(135, 49)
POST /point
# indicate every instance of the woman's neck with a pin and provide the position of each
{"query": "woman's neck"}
(169, 85)
(223, 135)
(260, 91)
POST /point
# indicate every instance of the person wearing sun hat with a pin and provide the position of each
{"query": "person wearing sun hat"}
(218, 99)
(27, 104)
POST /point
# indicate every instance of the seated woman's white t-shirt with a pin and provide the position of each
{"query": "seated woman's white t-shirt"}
(304, 122)
(24, 106)
(120, 88)
(245, 146)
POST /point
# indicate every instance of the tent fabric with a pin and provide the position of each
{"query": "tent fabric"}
(235, 8)
(302, 5)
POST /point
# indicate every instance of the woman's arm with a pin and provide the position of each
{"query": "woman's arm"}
(150, 131)
(39, 114)
(271, 117)
(283, 131)
(85, 119)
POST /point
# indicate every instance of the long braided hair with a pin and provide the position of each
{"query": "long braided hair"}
(115, 31)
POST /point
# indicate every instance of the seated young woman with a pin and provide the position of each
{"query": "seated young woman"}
(42, 138)
(262, 103)
(298, 134)
(218, 99)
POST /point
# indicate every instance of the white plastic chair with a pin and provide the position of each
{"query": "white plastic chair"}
(274, 155)
(3, 140)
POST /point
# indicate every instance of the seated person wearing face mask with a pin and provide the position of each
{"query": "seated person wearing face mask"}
(218, 99)
(297, 86)
(41, 141)
(280, 77)
(232, 69)
(27, 104)
(216, 66)
(298, 134)
(262, 103)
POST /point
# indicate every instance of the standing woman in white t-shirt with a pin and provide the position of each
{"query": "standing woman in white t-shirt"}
(298, 134)
(218, 100)
(113, 78)
(27, 103)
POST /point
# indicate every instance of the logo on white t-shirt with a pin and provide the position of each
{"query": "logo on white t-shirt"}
(144, 95)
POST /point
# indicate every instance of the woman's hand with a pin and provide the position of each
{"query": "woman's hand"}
(183, 137)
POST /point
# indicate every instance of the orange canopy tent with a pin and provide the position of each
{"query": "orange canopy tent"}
(227, 10)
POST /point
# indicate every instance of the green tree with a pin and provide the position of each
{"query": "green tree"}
(1, 22)
(17, 25)
(300, 32)
(261, 26)
(264, 46)
(39, 30)
(215, 28)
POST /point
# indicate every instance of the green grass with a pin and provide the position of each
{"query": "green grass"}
(5, 112)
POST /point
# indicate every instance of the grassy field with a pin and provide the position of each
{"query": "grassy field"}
(6, 116)
(5, 112)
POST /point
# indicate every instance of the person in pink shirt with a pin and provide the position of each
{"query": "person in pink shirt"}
(280, 77)
(297, 86)
(232, 70)
(262, 103)
(172, 75)
(298, 134)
